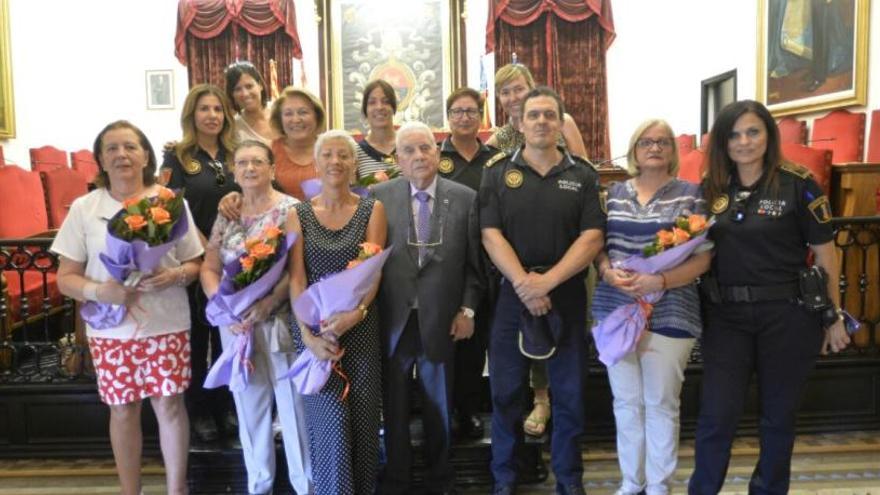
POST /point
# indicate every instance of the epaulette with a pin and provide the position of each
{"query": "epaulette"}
(495, 159)
(795, 169)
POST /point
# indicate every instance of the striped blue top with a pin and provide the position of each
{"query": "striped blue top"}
(632, 226)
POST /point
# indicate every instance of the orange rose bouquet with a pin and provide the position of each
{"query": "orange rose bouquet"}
(150, 220)
(683, 230)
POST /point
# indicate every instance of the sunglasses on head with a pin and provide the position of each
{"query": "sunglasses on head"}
(219, 176)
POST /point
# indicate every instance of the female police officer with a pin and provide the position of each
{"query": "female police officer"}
(768, 213)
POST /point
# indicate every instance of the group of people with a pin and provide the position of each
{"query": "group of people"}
(490, 247)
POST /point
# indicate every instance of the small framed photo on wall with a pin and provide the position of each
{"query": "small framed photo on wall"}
(160, 89)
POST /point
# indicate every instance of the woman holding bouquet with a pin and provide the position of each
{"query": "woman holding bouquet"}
(148, 353)
(344, 431)
(375, 153)
(647, 381)
(264, 212)
(769, 215)
(200, 163)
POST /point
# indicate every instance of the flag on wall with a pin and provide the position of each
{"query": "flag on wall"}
(486, 124)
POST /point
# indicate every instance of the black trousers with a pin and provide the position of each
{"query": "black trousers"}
(470, 359)
(779, 342)
(204, 340)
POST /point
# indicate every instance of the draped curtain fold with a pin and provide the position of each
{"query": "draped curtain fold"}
(563, 43)
(211, 34)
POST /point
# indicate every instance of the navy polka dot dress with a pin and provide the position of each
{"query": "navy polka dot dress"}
(344, 435)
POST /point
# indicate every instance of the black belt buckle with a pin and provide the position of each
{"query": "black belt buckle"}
(739, 294)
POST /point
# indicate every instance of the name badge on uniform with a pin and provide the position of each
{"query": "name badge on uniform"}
(569, 185)
(720, 204)
(771, 207)
(821, 209)
(192, 167)
(446, 166)
(513, 179)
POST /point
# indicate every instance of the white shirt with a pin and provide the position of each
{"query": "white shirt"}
(82, 238)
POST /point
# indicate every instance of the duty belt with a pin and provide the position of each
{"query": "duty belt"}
(758, 293)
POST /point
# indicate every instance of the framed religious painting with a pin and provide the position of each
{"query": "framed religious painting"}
(812, 55)
(7, 103)
(416, 46)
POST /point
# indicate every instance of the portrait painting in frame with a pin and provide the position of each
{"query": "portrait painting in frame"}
(160, 89)
(812, 55)
(413, 45)
(7, 102)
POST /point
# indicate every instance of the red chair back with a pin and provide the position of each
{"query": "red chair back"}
(792, 130)
(843, 133)
(2, 158)
(47, 158)
(62, 185)
(704, 142)
(686, 142)
(874, 139)
(817, 161)
(22, 203)
(83, 161)
(692, 166)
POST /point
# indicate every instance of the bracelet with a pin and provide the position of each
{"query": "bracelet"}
(181, 276)
(90, 291)
(663, 276)
(363, 309)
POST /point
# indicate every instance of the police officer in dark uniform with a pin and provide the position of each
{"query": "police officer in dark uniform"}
(462, 158)
(542, 226)
(199, 164)
(769, 213)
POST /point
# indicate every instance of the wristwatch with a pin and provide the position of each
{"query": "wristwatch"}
(467, 312)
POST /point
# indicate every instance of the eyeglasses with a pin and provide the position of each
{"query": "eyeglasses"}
(661, 143)
(219, 176)
(739, 206)
(256, 162)
(458, 113)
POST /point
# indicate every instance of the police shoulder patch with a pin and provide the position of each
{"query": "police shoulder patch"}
(795, 169)
(821, 209)
(495, 159)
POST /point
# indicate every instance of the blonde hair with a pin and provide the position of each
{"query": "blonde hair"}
(632, 165)
(510, 72)
(291, 92)
(186, 148)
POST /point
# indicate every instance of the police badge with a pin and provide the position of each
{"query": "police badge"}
(446, 166)
(720, 204)
(513, 179)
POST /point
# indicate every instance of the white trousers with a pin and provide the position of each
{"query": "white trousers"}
(254, 409)
(646, 385)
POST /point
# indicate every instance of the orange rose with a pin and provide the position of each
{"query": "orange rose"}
(247, 263)
(380, 176)
(166, 194)
(160, 215)
(128, 203)
(352, 264)
(135, 222)
(272, 232)
(664, 238)
(370, 249)
(250, 243)
(679, 236)
(696, 223)
(261, 251)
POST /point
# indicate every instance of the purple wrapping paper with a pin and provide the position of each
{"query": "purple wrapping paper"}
(227, 307)
(618, 334)
(121, 258)
(312, 188)
(339, 292)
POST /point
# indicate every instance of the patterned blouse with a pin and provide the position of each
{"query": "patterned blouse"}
(632, 226)
(508, 139)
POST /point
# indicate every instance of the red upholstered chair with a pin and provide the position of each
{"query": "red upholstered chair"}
(818, 161)
(692, 166)
(704, 142)
(62, 186)
(47, 158)
(792, 130)
(83, 161)
(2, 158)
(874, 139)
(686, 142)
(23, 215)
(843, 133)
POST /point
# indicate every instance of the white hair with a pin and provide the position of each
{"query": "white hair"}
(410, 127)
(336, 134)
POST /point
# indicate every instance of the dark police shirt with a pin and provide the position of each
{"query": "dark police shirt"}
(455, 167)
(203, 192)
(540, 216)
(769, 245)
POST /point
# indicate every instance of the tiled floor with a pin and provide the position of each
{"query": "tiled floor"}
(832, 464)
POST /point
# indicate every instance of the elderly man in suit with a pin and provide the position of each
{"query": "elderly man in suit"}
(430, 287)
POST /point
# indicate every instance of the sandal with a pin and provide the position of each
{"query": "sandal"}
(536, 423)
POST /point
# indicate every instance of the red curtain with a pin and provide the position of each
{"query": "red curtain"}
(211, 34)
(563, 43)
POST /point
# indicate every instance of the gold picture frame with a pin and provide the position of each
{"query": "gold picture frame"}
(415, 45)
(7, 102)
(800, 71)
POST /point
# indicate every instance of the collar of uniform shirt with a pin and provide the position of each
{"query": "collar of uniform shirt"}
(567, 161)
(447, 147)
